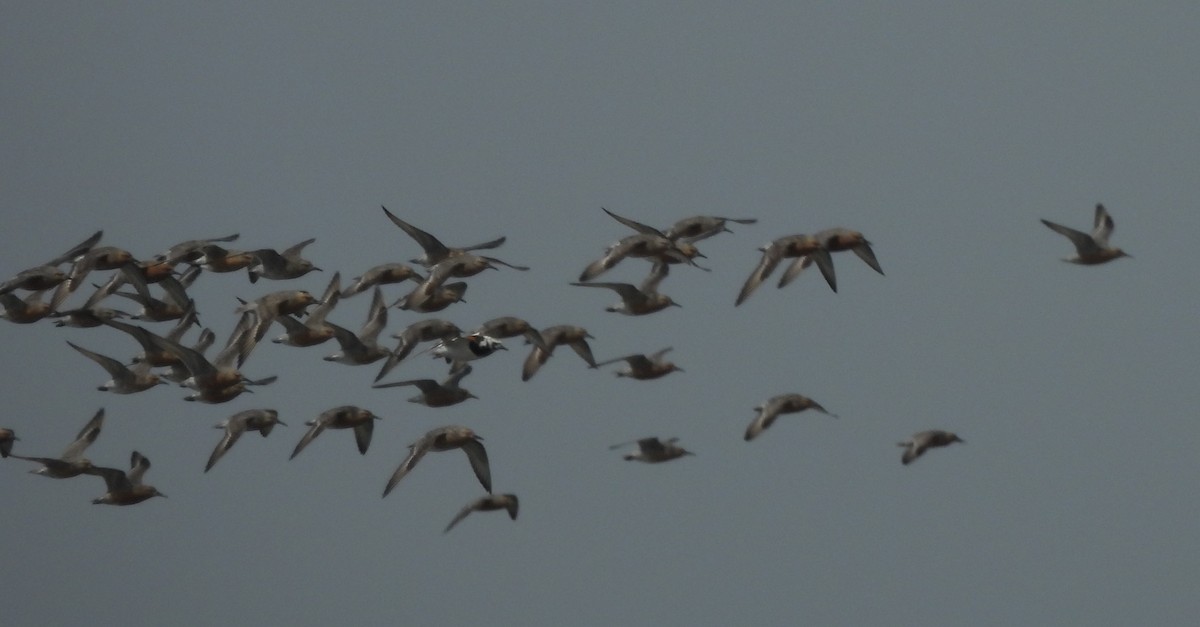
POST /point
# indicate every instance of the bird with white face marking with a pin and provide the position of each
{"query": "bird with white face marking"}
(270, 264)
(71, 463)
(920, 442)
(435, 250)
(459, 350)
(446, 439)
(570, 335)
(489, 503)
(434, 394)
(261, 420)
(362, 421)
(782, 404)
(654, 450)
(644, 367)
(1091, 248)
(125, 488)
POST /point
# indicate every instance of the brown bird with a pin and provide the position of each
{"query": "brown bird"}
(360, 420)
(654, 450)
(71, 463)
(1091, 249)
(125, 488)
(435, 250)
(489, 503)
(7, 437)
(446, 439)
(573, 336)
(644, 367)
(776, 405)
(434, 394)
(260, 420)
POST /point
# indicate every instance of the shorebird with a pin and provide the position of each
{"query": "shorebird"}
(423, 331)
(269, 264)
(1091, 249)
(696, 228)
(218, 380)
(314, 330)
(573, 336)
(360, 420)
(126, 488)
(489, 503)
(434, 394)
(916, 446)
(90, 314)
(191, 250)
(71, 463)
(461, 266)
(428, 302)
(102, 258)
(446, 439)
(7, 437)
(269, 307)
(510, 326)
(364, 347)
(260, 420)
(645, 245)
(639, 300)
(834, 240)
(124, 380)
(48, 275)
(644, 367)
(435, 250)
(800, 245)
(384, 274)
(776, 405)
(217, 259)
(24, 310)
(653, 450)
(457, 351)
(154, 351)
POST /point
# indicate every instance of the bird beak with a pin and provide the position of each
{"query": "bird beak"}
(280, 422)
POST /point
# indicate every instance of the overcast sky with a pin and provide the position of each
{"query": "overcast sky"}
(942, 132)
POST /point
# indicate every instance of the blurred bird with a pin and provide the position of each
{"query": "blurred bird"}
(124, 380)
(71, 463)
(776, 405)
(1091, 249)
(489, 503)
(834, 240)
(48, 275)
(364, 347)
(360, 420)
(260, 420)
(24, 310)
(446, 439)
(434, 394)
(269, 264)
(573, 336)
(457, 351)
(7, 437)
(800, 245)
(125, 488)
(313, 330)
(644, 367)
(510, 326)
(916, 446)
(435, 250)
(653, 450)
(639, 300)
(423, 331)
(385, 274)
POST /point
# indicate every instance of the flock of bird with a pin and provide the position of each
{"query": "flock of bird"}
(304, 320)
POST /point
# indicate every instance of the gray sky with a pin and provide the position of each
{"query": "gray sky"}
(942, 132)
